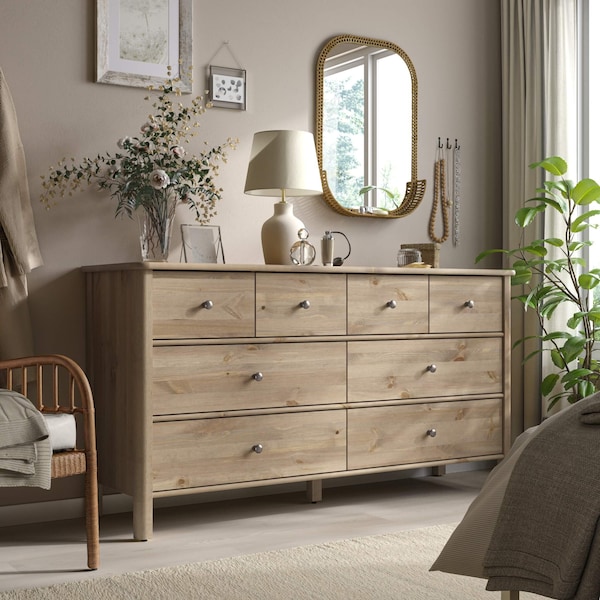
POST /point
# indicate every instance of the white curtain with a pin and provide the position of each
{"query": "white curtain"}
(539, 85)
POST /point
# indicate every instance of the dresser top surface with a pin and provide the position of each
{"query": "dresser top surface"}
(168, 266)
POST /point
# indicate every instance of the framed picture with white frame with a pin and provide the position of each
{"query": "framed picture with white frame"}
(202, 244)
(137, 40)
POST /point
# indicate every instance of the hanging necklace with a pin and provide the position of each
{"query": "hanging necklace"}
(456, 195)
(439, 196)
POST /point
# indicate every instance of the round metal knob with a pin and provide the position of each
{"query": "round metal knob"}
(207, 304)
(470, 304)
(258, 376)
(258, 448)
(432, 368)
(391, 304)
(431, 432)
(305, 304)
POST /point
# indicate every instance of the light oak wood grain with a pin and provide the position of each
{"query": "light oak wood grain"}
(391, 369)
(449, 304)
(399, 434)
(192, 379)
(203, 452)
(278, 310)
(388, 304)
(180, 404)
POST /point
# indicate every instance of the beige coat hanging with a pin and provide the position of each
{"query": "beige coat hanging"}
(19, 249)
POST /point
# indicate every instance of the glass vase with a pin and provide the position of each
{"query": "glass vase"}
(155, 225)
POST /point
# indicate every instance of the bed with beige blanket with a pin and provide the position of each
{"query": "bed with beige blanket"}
(535, 525)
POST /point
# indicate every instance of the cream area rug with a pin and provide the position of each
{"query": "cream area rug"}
(383, 567)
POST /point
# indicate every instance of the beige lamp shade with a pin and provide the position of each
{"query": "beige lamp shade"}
(282, 163)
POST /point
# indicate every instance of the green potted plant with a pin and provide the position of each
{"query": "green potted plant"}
(554, 272)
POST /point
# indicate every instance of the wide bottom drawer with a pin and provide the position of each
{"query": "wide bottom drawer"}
(396, 435)
(204, 452)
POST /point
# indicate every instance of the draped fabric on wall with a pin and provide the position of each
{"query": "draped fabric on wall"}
(538, 53)
(19, 250)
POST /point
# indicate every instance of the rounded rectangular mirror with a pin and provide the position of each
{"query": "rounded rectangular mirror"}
(366, 129)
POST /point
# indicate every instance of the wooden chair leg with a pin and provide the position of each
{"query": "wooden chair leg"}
(91, 516)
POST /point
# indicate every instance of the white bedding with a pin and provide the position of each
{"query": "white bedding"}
(62, 431)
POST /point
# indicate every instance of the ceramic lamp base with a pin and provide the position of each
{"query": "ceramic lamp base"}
(279, 233)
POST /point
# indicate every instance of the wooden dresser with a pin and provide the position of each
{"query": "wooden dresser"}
(212, 377)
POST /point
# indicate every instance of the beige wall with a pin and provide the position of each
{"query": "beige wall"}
(47, 53)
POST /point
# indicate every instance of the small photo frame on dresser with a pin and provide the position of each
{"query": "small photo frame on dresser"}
(202, 244)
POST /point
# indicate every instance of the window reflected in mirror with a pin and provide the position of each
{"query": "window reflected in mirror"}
(366, 127)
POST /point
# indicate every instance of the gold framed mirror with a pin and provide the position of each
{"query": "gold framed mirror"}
(366, 128)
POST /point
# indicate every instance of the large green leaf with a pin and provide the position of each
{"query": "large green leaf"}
(522, 276)
(554, 164)
(527, 214)
(574, 377)
(549, 383)
(557, 359)
(585, 192)
(573, 347)
(581, 222)
(588, 281)
(557, 204)
(485, 253)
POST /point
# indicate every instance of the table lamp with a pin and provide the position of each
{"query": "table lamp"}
(282, 163)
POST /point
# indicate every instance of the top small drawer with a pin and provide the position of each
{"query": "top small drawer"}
(387, 304)
(465, 304)
(202, 305)
(297, 304)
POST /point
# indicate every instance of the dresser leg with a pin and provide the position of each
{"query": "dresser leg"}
(439, 471)
(314, 490)
(509, 595)
(142, 519)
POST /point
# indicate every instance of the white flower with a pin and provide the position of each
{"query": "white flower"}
(124, 141)
(159, 179)
(148, 127)
(178, 151)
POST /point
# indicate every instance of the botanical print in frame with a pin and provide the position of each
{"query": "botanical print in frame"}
(227, 87)
(138, 39)
(202, 244)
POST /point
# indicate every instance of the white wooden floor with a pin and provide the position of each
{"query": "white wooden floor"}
(46, 553)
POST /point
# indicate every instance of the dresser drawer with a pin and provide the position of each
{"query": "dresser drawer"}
(190, 379)
(392, 369)
(205, 452)
(465, 304)
(178, 309)
(398, 435)
(280, 298)
(387, 304)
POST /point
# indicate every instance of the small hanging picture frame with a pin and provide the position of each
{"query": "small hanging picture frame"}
(227, 87)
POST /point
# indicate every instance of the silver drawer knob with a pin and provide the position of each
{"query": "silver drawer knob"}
(258, 448)
(258, 376)
(391, 304)
(304, 304)
(207, 304)
(431, 432)
(470, 304)
(432, 368)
